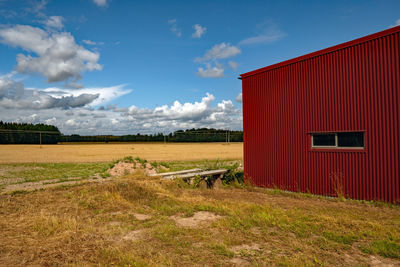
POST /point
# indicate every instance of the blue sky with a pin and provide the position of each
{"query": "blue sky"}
(118, 67)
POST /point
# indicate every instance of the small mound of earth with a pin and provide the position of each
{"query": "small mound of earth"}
(123, 168)
(199, 218)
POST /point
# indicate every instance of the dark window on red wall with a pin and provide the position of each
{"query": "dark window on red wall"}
(353, 139)
(324, 140)
(338, 140)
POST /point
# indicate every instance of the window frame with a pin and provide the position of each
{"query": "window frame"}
(336, 146)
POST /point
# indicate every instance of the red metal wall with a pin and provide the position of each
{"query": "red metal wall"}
(349, 87)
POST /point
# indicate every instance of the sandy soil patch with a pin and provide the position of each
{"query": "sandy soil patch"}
(198, 219)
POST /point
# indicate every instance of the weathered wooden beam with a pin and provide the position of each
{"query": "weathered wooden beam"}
(176, 173)
(194, 174)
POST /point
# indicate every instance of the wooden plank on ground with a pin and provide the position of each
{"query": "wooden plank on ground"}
(163, 174)
(201, 174)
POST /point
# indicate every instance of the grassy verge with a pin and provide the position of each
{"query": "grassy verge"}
(202, 164)
(97, 225)
(34, 172)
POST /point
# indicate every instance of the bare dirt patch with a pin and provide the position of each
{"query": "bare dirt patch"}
(134, 235)
(239, 262)
(251, 249)
(124, 168)
(141, 217)
(376, 261)
(32, 186)
(198, 219)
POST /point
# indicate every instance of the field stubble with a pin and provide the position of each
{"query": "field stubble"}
(109, 152)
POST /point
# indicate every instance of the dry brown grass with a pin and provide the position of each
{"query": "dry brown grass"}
(97, 224)
(110, 152)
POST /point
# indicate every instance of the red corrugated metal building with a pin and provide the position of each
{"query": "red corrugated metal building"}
(327, 122)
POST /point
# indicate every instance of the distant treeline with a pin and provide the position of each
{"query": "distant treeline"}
(27, 133)
(192, 135)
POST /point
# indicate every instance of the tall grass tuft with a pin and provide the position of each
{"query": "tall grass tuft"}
(337, 179)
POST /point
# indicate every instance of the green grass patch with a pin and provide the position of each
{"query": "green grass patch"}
(221, 249)
(34, 172)
(202, 164)
(232, 177)
(347, 239)
(385, 248)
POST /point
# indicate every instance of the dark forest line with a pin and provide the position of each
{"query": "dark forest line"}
(26, 133)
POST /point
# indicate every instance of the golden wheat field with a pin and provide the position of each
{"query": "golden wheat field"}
(110, 152)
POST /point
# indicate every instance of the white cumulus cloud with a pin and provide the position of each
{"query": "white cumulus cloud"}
(198, 31)
(58, 58)
(13, 95)
(212, 56)
(54, 22)
(112, 120)
(220, 51)
(188, 115)
(105, 94)
(211, 72)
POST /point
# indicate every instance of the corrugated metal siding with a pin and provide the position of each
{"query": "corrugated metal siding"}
(354, 88)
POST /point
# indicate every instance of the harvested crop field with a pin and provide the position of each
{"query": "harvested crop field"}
(110, 152)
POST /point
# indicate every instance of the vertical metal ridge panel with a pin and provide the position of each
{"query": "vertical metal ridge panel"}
(354, 88)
